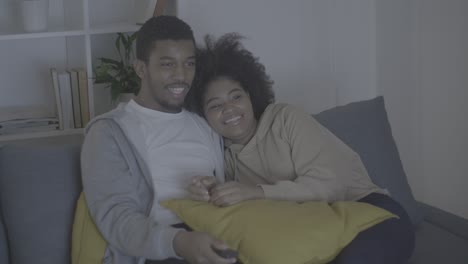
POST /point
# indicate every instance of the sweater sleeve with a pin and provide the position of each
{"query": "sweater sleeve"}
(116, 206)
(319, 161)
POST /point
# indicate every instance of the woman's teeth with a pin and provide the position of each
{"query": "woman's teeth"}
(232, 120)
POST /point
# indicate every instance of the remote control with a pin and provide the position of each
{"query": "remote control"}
(227, 253)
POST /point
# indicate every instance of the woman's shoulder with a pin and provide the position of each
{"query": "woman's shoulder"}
(286, 111)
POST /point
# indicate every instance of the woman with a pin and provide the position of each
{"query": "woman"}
(276, 151)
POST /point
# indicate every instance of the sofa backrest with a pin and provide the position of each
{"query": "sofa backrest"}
(4, 256)
(39, 185)
(364, 126)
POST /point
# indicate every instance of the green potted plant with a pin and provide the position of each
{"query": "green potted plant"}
(119, 74)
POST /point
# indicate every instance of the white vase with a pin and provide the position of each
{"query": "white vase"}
(35, 14)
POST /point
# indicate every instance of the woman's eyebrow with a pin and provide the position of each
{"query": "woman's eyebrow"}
(229, 93)
(210, 100)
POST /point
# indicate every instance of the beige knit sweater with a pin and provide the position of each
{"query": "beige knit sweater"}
(293, 157)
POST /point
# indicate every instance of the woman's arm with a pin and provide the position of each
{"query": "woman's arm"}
(322, 163)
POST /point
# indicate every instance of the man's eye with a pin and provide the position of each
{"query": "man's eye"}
(167, 64)
(191, 64)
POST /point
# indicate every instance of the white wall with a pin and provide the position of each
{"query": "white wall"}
(443, 91)
(397, 81)
(322, 53)
(319, 53)
(422, 71)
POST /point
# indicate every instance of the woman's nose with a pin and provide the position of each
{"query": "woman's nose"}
(227, 108)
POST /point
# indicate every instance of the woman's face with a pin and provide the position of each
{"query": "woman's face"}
(229, 111)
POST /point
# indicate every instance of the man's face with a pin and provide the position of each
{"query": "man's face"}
(168, 75)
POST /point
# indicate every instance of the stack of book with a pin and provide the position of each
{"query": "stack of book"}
(71, 110)
(28, 125)
(24, 119)
(71, 96)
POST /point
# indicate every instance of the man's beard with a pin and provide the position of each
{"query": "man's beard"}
(171, 107)
(168, 106)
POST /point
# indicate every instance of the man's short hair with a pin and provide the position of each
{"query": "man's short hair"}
(160, 28)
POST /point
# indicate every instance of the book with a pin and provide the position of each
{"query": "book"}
(75, 91)
(66, 100)
(58, 101)
(84, 96)
(28, 122)
(28, 125)
(9, 131)
(23, 112)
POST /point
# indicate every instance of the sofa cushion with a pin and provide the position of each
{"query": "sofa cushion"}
(39, 185)
(435, 245)
(3, 241)
(88, 245)
(365, 128)
(278, 232)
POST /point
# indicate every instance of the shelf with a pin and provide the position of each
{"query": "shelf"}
(103, 29)
(78, 32)
(53, 133)
(47, 34)
(114, 28)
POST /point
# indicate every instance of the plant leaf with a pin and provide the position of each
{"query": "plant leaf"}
(109, 61)
(117, 43)
(119, 74)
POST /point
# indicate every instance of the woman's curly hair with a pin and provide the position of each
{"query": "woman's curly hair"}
(227, 58)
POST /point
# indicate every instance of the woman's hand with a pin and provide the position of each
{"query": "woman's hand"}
(233, 192)
(200, 187)
(197, 248)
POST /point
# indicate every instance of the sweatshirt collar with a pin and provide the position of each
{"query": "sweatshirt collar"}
(263, 126)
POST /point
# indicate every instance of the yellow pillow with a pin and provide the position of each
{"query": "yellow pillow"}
(279, 232)
(88, 245)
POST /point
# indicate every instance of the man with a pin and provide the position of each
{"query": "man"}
(147, 151)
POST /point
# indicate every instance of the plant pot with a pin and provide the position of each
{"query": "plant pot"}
(125, 97)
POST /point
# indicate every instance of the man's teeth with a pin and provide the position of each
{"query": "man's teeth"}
(232, 120)
(177, 90)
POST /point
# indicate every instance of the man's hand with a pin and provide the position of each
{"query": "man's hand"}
(200, 186)
(233, 192)
(197, 248)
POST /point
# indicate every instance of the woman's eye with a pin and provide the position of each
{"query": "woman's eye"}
(237, 96)
(214, 107)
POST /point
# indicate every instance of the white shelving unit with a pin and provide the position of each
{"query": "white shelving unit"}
(79, 32)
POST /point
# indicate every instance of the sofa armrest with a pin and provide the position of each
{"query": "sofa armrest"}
(39, 185)
(453, 224)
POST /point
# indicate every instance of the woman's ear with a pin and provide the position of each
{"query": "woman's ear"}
(140, 68)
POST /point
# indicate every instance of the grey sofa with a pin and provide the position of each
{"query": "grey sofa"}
(40, 182)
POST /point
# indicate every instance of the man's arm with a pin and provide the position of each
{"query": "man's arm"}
(117, 203)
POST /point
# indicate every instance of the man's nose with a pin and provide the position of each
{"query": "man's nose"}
(179, 73)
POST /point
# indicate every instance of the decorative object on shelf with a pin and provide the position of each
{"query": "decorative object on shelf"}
(125, 97)
(145, 9)
(35, 14)
(119, 75)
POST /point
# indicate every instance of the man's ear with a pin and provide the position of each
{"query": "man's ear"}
(140, 68)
